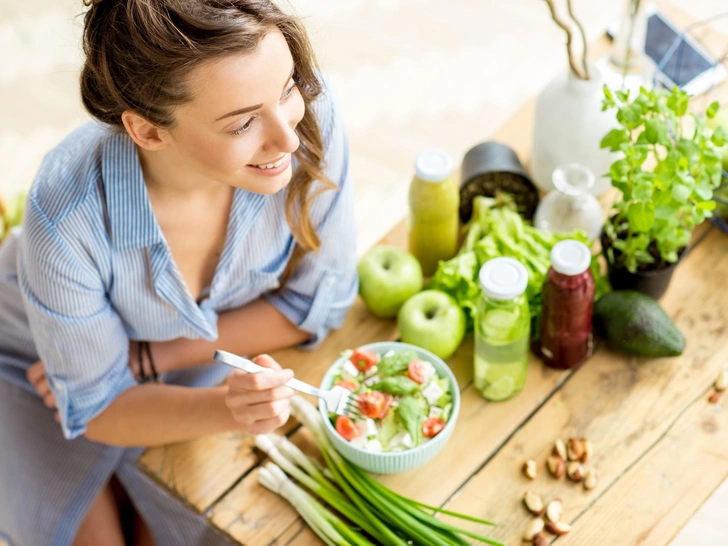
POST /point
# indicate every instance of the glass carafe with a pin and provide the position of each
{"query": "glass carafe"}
(570, 206)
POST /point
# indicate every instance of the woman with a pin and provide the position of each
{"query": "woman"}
(208, 207)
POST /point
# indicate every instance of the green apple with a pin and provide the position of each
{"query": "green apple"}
(434, 321)
(388, 277)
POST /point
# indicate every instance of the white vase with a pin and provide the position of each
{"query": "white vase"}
(568, 128)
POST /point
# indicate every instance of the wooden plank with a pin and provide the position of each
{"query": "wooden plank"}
(481, 423)
(251, 514)
(623, 405)
(664, 488)
(199, 472)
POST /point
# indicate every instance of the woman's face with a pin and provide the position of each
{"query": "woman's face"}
(239, 128)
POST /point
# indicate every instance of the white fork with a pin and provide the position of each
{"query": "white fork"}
(338, 399)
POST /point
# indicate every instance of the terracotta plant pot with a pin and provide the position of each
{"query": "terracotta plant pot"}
(653, 282)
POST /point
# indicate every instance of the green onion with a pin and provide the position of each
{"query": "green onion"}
(326, 492)
(276, 480)
(390, 518)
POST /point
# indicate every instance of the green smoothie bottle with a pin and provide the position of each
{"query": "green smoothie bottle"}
(502, 330)
(434, 202)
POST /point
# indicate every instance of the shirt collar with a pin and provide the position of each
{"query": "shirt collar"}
(131, 217)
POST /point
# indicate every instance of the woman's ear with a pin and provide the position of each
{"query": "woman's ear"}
(144, 134)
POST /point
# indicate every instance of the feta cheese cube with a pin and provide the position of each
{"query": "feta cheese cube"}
(371, 371)
(432, 392)
(402, 440)
(374, 446)
(362, 426)
(428, 371)
(370, 428)
(371, 381)
(349, 372)
(435, 412)
(359, 441)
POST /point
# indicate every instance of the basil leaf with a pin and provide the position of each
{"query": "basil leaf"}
(396, 363)
(411, 413)
(397, 385)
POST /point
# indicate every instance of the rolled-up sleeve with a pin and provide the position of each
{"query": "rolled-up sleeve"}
(78, 334)
(319, 294)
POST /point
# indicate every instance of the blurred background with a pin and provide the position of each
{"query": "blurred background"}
(410, 75)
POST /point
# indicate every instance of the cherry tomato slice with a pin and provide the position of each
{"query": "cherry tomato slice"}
(416, 371)
(346, 428)
(432, 427)
(371, 404)
(388, 399)
(364, 360)
(348, 385)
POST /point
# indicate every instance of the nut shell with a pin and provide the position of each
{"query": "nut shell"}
(533, 529)
(554, 509)
(560, 449)
(574, 449)
(558, 529)
(529, 469)
(591, 479)
(556, 466)
(575, 471)
(588, 449)
(533, 503)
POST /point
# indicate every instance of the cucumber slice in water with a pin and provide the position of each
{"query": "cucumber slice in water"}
(500, 390)
(498, 325)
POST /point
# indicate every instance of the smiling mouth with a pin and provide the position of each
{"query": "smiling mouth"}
(273, 165)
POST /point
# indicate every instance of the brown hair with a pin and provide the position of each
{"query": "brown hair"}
(138, 53)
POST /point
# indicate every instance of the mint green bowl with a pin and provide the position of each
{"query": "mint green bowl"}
(398, 461)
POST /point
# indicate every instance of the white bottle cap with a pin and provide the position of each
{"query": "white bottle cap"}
(433, 165)
(570, 257)
(503, 278)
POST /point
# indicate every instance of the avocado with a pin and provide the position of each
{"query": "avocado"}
(634, 323)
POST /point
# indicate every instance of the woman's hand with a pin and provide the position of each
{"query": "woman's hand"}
(259, 402)
(37, 377)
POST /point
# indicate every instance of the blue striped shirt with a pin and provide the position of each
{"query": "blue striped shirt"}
(91, 268)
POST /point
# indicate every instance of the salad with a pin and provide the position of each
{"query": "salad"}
(402, 399)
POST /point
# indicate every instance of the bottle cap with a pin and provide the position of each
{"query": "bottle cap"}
(433, 165)
(570, 257)
(503, 278)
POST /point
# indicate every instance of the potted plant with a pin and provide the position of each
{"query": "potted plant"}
(666, 176)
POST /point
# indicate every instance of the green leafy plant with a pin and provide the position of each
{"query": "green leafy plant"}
(669, 169)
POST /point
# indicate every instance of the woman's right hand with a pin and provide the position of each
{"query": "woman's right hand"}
(259, 402)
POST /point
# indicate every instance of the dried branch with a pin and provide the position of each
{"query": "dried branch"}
(569, 38)
(583, 39)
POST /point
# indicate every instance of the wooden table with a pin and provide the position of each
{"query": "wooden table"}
(660, 447)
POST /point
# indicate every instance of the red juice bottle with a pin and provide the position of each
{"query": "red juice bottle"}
(568, 306)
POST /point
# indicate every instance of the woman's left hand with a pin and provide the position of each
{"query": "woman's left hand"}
(37, 377)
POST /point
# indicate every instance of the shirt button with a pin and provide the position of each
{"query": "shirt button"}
(330, 280)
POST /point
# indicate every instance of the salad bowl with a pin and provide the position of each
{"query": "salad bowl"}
(375, 454)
